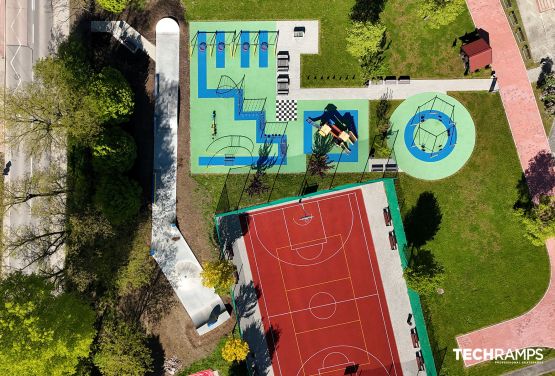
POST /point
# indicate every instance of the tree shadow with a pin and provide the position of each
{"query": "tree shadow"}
(230, 228)
(423, 220)
(262, 344)
(540, 175)
(524, 199)
(158, 356)
(367, 10)
(246, 299)
(424, 261)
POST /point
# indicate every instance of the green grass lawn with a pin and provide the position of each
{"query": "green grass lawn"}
(414, 50)
(492, 272)
(547, 119)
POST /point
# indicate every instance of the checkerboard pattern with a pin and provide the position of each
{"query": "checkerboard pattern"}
(286, 109)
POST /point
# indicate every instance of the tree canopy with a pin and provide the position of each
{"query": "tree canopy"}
(365, 38)
(547, 88)
(219, 275)
(424, 274)
(122, 350)
(42, 333)
(114, 6)
(118, 198)
(66, 98)
(439, 13)
(115, 151)
(539, 220)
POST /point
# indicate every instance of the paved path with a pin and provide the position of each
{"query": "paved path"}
(123, 32)
(169, 247)
(396, 90)
(536, 328)
(515, 89)
(534, 370)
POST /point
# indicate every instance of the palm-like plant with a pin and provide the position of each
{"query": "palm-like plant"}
(319, 163)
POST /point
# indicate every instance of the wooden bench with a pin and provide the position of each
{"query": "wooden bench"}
(392, 240)
(387, 216)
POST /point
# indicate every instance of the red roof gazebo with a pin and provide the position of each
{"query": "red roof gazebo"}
(476, 54)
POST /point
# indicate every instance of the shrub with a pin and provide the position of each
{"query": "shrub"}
(115, 151)
(118, 198)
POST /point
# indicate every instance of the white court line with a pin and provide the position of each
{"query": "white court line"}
(377, 287)
(254, 229)
(294, 203)
(286, 228)
(340, 346)
(323, 305)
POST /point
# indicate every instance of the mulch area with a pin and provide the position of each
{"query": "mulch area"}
(174, 329)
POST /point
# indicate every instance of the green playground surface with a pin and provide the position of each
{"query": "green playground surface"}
(431, 169)
(236, 141)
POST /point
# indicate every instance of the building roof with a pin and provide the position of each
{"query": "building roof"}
(476, 47)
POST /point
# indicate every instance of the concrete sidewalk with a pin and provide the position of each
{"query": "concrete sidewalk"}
(125, 34)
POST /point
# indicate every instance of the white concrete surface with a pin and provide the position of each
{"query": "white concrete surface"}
(170, 249)
(121, 30)
(539, 27)
(391, 270)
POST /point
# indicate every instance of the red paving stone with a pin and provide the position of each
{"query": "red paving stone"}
(536, 328)
(516, 92)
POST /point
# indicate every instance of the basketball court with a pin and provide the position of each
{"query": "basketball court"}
(320, 295)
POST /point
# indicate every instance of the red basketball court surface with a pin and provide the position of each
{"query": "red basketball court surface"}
(321, 294)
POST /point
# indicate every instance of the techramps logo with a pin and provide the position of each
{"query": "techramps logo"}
(501, 356)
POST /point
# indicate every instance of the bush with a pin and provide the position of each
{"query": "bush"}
(539, 221)
(235, 350)
(114, 6)
(438, 13)
(365, 38)
(219, 275)
(115, 151)
(548, 93)
(122, 350)
(118, 198)
(111, 96)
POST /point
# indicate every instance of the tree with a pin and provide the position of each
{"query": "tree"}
(547, 88)
(424, 275)
(118, 198)
(114, 6)
(235, 350)
(42, 332)
(365, 38)
(438, 13)
(257, 186)
(49, 182)
(319, 162)
(539, 220)
(111, 96)
(115, 151)
(122, 350)
(373, 65)
(219, 275)
(65, 99)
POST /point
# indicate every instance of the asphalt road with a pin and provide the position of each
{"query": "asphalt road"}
(29, 25)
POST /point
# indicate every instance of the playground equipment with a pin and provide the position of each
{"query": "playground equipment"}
(214, 128)
(340, 127)
(263, 40)
(426, 136)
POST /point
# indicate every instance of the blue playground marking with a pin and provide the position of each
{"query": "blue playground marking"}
(415, 149)
(309, 131)
(263, 53)
(220, 52)
(258, 116)
(245, 53)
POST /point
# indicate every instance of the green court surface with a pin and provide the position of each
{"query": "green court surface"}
(432, 150)
(238, 93)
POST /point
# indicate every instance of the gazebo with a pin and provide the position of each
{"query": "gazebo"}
(476, 54)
